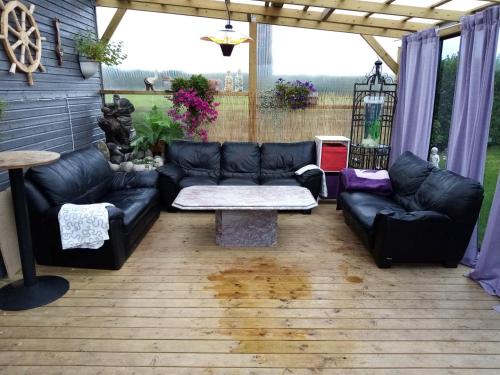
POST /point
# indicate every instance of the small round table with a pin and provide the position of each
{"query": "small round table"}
(31, 291)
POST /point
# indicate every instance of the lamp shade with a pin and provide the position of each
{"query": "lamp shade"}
(227, 39)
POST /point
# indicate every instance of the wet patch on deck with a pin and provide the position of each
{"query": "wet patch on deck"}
(245, 285)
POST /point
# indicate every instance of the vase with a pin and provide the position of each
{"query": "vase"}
(88, 67)
(139, 167)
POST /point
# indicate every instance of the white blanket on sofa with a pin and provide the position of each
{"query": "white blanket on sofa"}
(84, 225)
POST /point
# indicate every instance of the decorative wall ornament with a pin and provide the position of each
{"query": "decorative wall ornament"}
(59, 48)
(21, 38)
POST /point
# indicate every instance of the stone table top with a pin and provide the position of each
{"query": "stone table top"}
(245, 198)
(25, 159)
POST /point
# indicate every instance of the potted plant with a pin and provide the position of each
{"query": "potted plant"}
(194, 106)
(295, 95)
(157, 130)
(92, 51)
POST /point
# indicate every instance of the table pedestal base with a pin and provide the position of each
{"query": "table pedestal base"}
(16, 296)
(246, 228)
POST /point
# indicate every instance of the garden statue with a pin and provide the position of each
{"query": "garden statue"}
(150, 81)
(228, 82)
(117, 126)
(238, 82)
(434, 157)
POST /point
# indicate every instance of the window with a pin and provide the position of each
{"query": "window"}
(443, 104)
(443, 107)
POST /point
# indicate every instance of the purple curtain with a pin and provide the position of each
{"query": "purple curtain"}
(472, 105)
(417, 86)
(487, 271)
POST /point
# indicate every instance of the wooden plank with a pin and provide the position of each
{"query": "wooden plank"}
(235, 346)
(253, 334)
(252, 82)
(113, 24)
(382, 53)
(162, 93)
(317, 361)
(255, 312)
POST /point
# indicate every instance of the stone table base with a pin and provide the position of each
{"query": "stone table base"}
(246, 228)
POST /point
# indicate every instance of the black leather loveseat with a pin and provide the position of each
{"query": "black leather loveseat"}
(236, 163)
(429, 218)
(84, 177)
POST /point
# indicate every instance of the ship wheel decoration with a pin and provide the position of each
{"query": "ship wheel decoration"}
(21, 38)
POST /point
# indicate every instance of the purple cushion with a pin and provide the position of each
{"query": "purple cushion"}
(352, 182)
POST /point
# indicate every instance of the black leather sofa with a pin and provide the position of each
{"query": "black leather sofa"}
(236, 163)
(84, 177)
(429, 218)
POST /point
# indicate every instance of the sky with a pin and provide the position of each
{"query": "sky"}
(165, 41)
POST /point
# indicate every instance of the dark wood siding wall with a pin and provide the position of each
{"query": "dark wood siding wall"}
(60, 111)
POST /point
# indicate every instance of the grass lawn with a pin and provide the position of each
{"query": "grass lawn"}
(490, 182)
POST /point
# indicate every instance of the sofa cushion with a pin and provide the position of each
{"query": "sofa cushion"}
(407, 174)
(196, 158)
(237, 181)
(133, 202)
(365, 206)
(281, 160)
(80, 177)
(196, 181)
(281, 182)
(451, 194)
(240, 160)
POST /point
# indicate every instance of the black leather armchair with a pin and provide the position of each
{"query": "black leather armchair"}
(84, 177)
(429, 218)
(236, 163)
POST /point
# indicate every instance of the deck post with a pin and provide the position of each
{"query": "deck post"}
(252, 81)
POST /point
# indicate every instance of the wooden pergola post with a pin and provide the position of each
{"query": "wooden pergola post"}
(252, 81)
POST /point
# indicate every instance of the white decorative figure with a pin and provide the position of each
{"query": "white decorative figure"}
(228, 82)
(238, 81)
(434, 157)
(150, 81)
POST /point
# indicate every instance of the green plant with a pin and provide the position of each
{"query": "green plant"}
(375, 129)
(138, 161)
(99, 50)
(156, 129)
(196, 82)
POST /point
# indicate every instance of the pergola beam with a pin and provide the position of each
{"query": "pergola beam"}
(239, 16)
(113, 24)
(382, 8)
(326, 14)
(293, 13)
(382, 53)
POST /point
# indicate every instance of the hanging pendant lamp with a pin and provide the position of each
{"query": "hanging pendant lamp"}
(227, 38)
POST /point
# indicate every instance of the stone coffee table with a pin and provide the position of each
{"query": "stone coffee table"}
(245, 215)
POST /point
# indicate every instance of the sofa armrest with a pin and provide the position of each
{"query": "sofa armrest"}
(170, 176)
(415, 236)
(133, 180)
(312, 180)
(172, 172)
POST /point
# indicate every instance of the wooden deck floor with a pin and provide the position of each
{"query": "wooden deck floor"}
(316, 304)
